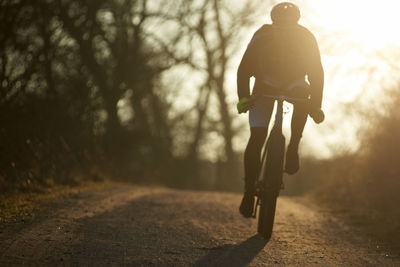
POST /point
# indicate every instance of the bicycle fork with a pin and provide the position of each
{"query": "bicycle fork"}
(271, 172)
(261, 192)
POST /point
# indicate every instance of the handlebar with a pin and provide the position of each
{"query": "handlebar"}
(285, 98)
(317, 115)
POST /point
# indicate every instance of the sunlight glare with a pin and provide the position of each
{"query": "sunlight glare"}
(374, 23)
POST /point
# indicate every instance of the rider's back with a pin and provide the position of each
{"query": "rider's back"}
(282, 55)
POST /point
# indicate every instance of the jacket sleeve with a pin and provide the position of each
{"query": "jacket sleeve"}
(246, 70)
(315, 74)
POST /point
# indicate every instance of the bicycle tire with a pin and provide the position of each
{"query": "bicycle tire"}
(267, 216)
(272, 172)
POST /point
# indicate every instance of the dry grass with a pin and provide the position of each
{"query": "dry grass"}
(364, 187)
(17, 204)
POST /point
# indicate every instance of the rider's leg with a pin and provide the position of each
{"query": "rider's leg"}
(252, 164)
(252, 156)
(259, 116)
(298, 123)
(299, 119)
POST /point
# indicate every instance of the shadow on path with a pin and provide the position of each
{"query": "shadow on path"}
(234, 255)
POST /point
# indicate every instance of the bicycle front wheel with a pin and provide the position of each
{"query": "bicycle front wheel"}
(266, 214)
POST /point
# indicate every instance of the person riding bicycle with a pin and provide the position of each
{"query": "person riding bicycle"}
(285, 60)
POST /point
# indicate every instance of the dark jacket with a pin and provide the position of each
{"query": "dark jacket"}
(278, 56)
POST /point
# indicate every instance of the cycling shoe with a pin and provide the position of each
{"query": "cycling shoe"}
(247, 205)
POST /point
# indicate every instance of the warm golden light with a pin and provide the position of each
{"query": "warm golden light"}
(358, 40)
(374, 23)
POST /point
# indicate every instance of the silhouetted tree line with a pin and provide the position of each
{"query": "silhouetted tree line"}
(64, 67)
(81, 88)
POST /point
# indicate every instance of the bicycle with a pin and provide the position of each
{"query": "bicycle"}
(270, 179)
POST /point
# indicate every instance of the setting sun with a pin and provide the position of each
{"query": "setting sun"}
(358, 42)
(371, 22)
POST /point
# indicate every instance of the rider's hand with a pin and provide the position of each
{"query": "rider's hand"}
(317, 115)
(244, 105)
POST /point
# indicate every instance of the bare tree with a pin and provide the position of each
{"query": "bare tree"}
(215, 29)
(113, 45)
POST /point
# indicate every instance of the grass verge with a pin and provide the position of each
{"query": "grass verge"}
(17, 204)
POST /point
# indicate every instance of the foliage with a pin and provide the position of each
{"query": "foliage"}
(83, 91)
(65, 65)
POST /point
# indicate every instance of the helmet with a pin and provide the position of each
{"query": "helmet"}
(285, 13)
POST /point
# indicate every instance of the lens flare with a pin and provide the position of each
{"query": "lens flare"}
(374, 23)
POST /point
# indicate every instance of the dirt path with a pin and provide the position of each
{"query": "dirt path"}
(139, 226)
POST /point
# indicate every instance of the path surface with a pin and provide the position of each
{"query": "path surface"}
(139, 226)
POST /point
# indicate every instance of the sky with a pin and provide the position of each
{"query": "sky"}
(357, 39)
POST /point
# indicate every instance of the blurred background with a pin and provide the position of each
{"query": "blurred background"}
(145, 91)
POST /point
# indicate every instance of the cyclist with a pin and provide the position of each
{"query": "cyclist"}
(284, 58)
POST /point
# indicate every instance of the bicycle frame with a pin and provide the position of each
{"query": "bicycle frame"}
(275, 135)
(275, 144)
(270, 178)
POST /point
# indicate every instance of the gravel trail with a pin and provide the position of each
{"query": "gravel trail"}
(129, 225)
